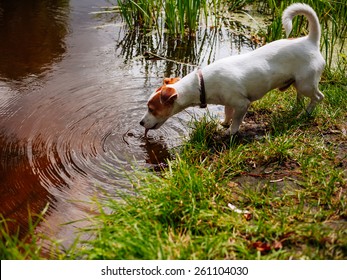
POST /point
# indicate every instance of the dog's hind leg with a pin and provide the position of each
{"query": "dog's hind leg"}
(229, 111)
(315, 99)
(304, 89)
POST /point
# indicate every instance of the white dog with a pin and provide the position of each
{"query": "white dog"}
(237, 81)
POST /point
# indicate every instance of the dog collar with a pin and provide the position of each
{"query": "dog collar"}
(203, 103)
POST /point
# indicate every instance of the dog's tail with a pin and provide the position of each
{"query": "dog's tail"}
(302, 9)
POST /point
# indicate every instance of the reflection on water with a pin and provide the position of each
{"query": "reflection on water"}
(73, 88)
(32, 35)
(32, 38)
(181, 56)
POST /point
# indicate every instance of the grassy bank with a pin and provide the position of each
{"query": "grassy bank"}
(288, 173)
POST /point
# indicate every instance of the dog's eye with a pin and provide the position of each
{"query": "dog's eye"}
(150, 110)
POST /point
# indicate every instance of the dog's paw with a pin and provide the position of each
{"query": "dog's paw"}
(226, 137)
(231, 133)
(225, 124)
(227, 133)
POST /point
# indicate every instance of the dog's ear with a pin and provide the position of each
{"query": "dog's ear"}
(168, 95)
(159, 89)
(170, 81)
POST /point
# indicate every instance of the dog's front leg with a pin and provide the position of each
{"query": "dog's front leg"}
(229, 111)
(238, 115)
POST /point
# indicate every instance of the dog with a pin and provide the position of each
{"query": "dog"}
(237, 81)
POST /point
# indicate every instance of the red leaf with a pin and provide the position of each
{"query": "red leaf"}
(247, 216)
(261, 246)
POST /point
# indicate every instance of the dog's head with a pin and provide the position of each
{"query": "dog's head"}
(160, 105)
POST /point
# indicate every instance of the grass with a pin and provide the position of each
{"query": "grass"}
(28, 246)
(15, 247)
(290, 175)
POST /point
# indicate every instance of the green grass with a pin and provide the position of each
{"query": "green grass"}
(15, 247)
(291, 177)
(27, 246)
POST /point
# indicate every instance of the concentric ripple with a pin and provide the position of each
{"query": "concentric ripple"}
(69, 116)
(71, 142)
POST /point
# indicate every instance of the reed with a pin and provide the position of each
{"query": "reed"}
(140, 13)
(181, 18)
(177, 17)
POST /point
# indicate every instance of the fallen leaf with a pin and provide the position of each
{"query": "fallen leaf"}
(233, 184)
(248, 216)
(261, 246)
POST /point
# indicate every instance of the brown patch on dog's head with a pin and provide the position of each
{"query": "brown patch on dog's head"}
(161, 103)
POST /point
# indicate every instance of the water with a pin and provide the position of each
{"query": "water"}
(73, 87)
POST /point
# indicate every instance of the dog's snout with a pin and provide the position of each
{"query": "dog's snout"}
(142, 123)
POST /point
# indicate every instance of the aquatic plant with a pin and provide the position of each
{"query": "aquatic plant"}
(139, 13)
(180, 18)
(177, 17)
